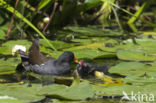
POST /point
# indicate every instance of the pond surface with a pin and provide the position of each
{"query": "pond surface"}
(132, 68)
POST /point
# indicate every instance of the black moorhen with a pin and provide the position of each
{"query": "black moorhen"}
(58, 66)
(86, 69)
(36, 62)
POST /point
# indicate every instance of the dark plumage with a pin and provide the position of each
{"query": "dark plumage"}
(36, 62)
(58, 66)
(85, 69)
(35, 56)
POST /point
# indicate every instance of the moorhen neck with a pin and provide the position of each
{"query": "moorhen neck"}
(35, 56)
(86, 69)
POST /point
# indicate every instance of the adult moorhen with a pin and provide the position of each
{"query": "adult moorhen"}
(36, 62)
(85, 69)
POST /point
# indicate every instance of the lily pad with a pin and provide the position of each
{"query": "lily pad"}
(57, 44)
(145, 45)
(129, 68)
(150, 89)
(22, 92)
(9, 101)
(9, 64)
(91, 53)
(144, 79)
(116, 90)
(79, 91)
(134, 55)
(82, 41)
(6, 48)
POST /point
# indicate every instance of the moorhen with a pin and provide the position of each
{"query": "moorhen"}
(36, 62)
(85, 69)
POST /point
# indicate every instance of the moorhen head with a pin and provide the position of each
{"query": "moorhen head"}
(86, 69)
(83, 69)
(67, 56)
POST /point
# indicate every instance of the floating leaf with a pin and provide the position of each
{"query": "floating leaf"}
(22, 92)
(56, 43)
(79, 91)
(9, 101)
(144, 79)
(6, 48)
(134, 55)
(91, 53)
(116, 90)
(145, 45)
(9, 64)
(129, 68)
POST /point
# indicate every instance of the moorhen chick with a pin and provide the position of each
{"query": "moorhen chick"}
(36, 62)
(85, 69)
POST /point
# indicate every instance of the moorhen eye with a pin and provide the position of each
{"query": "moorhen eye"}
(40, 64)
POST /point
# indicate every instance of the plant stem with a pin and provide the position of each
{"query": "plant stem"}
(51, 17)
(12, 19)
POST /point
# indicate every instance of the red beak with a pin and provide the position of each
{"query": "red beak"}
(80, 63)
(75, 60)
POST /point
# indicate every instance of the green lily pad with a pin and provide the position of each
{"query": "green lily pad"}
(22, 92)
(82, 41)
(144, 79)
(57, 44)
(129, 68)
(133, 68)
(91, 53)
(9, 64)
(140, 93)
(134, 55)
(145, 45)
(116, 90)
(150, 89)
(79, 91)
(6, 48)
(9, 101)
